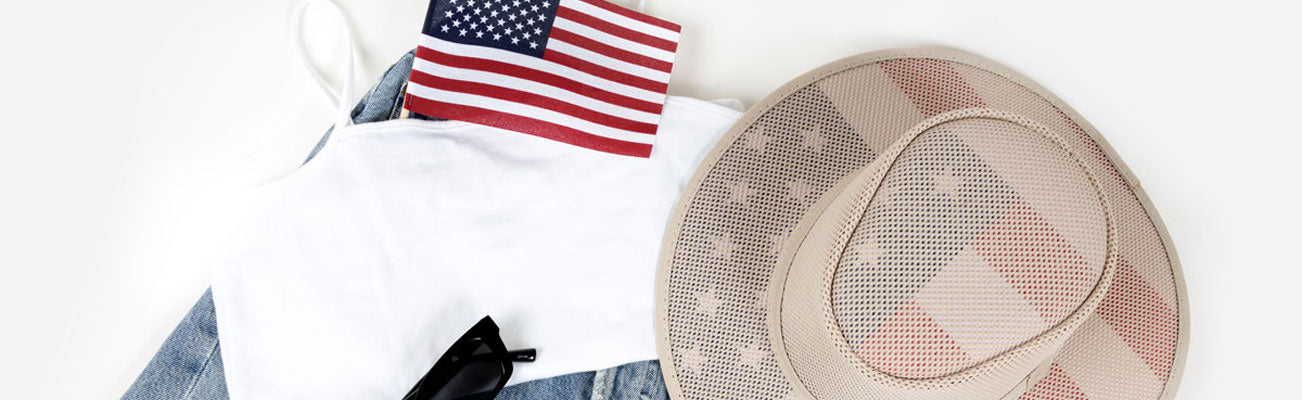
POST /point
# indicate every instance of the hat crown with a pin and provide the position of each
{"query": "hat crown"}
(955, 265)
(980, 237)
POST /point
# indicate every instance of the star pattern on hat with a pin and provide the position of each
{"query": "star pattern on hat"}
(932, 86)
(813, 139)
(776, 241)
(799, 190)
(753, 354)
(690, 360)
(947, 183)
(721, 247)
(871, 252)
(756, 141)
(759, 299)
(740, 191)
(708, 302)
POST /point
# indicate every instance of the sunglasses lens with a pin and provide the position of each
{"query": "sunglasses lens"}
(477, 378)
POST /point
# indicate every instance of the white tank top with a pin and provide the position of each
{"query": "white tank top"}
(350, 277)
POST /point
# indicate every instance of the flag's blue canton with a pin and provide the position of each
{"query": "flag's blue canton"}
(520, 26)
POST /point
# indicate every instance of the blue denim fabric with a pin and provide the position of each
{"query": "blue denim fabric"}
(634, 381)
(188, 366)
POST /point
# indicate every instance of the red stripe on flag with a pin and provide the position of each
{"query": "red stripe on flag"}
(605, 73)
(611, 51)
(532, 99)
(616, 30)
(542, 77)
(530, 126)
(649, 20)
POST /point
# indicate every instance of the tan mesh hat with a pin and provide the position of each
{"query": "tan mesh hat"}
(917, 224)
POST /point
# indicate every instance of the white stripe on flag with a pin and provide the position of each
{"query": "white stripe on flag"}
(620, 20)
(606, 61)
(612, 40)
(526, 85)
(529, 111)
(489, 53)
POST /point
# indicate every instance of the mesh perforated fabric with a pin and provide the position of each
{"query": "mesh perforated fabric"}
(982, 235)
(813, 341)
(739, 211)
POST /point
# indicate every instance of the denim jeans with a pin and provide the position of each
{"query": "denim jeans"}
(188, 365)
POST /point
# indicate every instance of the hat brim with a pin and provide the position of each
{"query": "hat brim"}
(722, 242)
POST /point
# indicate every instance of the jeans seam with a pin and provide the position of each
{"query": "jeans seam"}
(655, 382)
(189, 391)
(603, 384)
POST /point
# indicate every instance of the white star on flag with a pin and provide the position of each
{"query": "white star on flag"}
(584, 72)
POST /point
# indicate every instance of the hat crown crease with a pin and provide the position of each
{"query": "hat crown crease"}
(975, 303)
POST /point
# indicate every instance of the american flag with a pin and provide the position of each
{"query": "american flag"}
(584, 72)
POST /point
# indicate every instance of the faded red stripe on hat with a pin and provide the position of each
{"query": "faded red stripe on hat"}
(1055, 386)
(1095, 150)
(1037, 261)
(1143, 320)
(933, 85)
(911, 345)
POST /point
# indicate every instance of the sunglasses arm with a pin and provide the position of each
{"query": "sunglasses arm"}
(523, 355)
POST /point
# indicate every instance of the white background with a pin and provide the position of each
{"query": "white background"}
(127, 125)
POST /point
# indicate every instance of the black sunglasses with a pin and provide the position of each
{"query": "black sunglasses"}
(476, 367)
